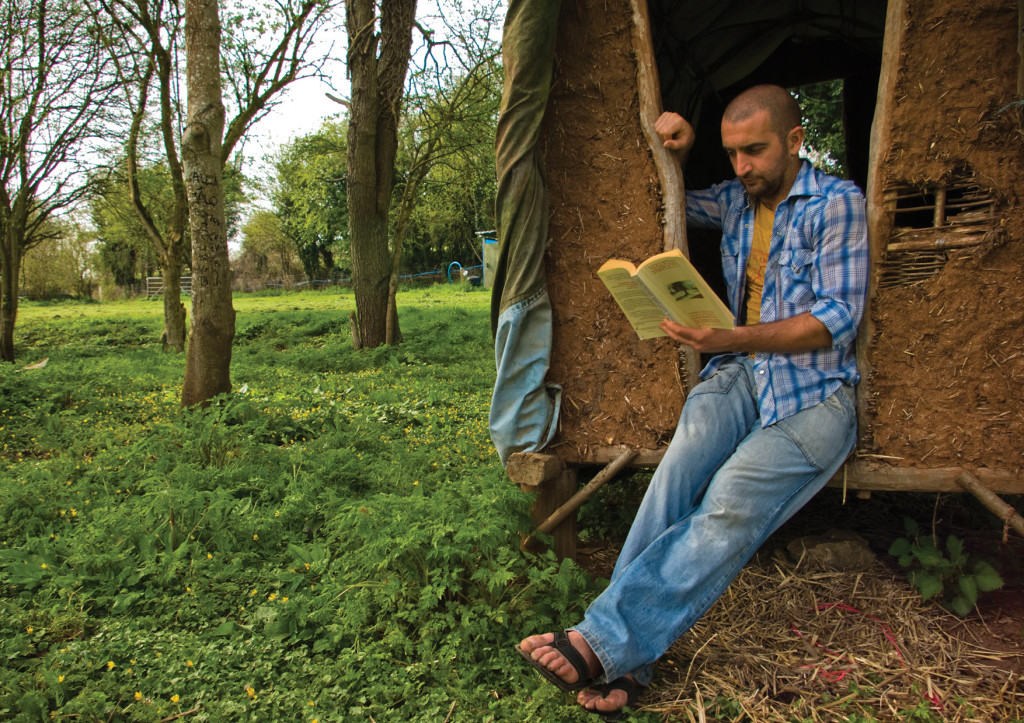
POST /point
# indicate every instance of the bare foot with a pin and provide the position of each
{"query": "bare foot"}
(538, 647)
(609, 698)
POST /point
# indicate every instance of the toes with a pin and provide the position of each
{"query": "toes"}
(534, 642)
(592, 699)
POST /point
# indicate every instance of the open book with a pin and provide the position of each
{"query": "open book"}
(664, 286)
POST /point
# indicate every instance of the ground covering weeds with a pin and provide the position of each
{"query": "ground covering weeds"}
(334, 541)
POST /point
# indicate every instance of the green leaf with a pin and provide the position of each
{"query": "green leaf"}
(987, 577)
(969, 588)
(956, 550)
(929, 585)
(900, 547)
(912, 527)
(960, 606)
(929, 557)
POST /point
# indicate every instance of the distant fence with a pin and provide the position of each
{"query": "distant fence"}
(155, 285)
(453, 273)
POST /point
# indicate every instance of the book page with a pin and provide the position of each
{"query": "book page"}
(673, 280)
(635, 302)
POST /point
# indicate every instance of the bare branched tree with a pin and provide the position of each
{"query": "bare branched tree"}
(450, 111)
(379, 48)
(56, 78)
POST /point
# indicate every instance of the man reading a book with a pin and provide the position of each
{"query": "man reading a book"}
(772, 419)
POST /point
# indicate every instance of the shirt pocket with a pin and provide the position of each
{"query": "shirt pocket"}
(795, 267)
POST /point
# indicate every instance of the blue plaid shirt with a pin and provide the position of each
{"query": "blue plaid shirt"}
(817, 262)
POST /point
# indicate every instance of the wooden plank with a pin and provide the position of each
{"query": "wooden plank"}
(532, 469)
(606, 455)
(870, 475)
(879, 221)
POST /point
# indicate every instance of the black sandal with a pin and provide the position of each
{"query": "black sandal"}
(562, 645)
(633, 691)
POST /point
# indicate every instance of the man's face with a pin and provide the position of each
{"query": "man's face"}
(763, 162)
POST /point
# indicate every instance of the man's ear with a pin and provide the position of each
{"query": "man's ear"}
(794, 140)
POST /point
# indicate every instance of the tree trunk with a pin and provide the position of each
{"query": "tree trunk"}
(173, 336)
(394, 334)
(208, 357)
(9, 266)
(377, 85)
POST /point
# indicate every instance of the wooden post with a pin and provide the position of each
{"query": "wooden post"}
(670, 172)
(1020, 49)
(569, 508)
(554, 483)
(879, 222)
(552, 495)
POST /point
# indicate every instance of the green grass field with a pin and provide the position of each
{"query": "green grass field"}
(334, 541)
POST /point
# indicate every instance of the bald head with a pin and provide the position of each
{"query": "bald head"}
(782, 107)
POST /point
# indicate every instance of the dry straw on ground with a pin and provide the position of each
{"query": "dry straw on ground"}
(786, 644)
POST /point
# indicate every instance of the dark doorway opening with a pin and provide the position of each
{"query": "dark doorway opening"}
(708, 51)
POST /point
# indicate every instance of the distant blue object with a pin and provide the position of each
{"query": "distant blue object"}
(458, 269)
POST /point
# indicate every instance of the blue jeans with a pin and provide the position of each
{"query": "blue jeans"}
(724, 485)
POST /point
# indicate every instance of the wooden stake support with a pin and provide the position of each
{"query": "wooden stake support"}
(574, 502)
(992, 501)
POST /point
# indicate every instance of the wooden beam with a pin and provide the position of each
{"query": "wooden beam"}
(871, 475)
(532, 469)
(861, 473)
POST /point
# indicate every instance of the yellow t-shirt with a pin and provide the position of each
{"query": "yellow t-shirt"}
(757, 264)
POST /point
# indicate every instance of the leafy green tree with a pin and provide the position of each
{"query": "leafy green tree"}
(60, 265)
(124, 248)
(310, 198)
(267, 253)
(822, 106)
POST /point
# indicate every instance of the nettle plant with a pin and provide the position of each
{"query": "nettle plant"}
(952, 576)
